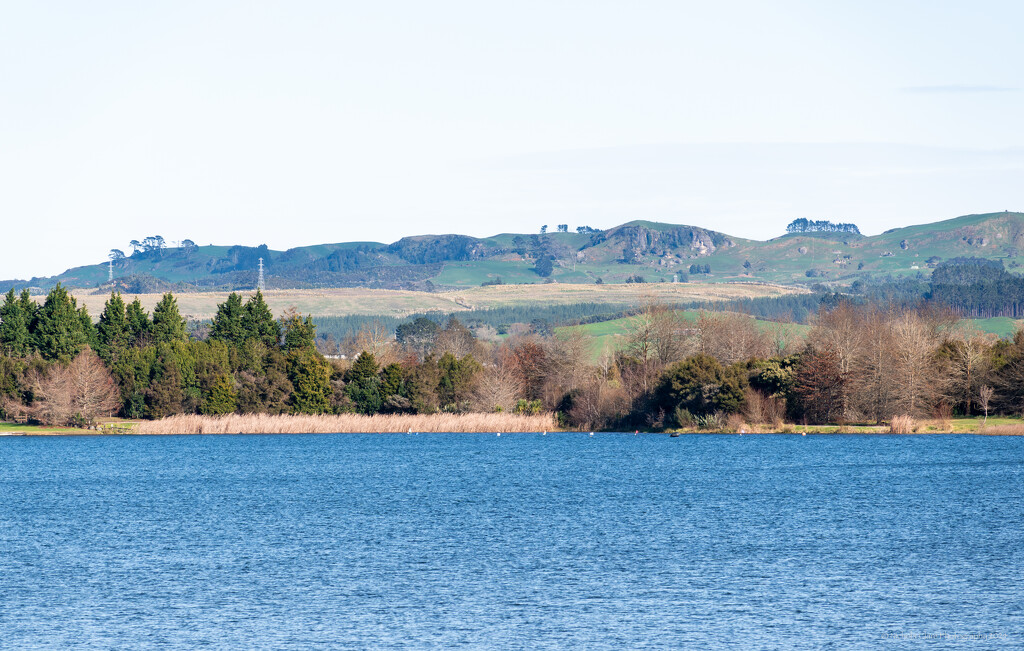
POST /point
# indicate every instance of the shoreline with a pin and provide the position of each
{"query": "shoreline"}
(49, 433)
(478, 423)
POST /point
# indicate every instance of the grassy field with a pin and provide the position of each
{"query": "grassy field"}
(1001, 326)
(11, 429)
(109, 426)
(344, 301)
(609, 336)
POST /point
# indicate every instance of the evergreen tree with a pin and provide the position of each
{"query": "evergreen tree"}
(137, 322)
(310, 375)
(112, 331)
(362, 385)
(544, 266)
(701, 385)
(168, 324)
(28, 306)
(223, 398)
(14, 323)
(456, 382)
(58, 329)
(227, 324)
(392, 381)
(88, 329)
(258, 322)
(165, 397)
(299, 334)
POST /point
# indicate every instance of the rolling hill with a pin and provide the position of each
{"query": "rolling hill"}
(653, 251)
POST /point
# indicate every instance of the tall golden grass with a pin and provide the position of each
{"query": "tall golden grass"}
(1002, 430)
(902, 424)
(347, 423)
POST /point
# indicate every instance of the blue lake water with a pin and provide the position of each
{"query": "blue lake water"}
(523, 541)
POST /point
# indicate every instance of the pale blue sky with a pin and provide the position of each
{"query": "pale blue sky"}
(297, 122)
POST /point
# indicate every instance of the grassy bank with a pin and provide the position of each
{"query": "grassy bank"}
(113, 426)
(349, 423)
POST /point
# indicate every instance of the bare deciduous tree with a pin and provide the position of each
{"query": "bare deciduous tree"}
(76, 393)
(497, 389)
(378, 339)
(730, 337)
(984, 395)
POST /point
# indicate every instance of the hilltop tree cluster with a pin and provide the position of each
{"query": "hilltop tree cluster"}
(804, 225)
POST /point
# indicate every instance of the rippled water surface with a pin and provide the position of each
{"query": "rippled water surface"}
(518, 541)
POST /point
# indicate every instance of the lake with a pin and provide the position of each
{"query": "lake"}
(521, 541)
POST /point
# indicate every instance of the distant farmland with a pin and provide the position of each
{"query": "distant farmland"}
(399, 303)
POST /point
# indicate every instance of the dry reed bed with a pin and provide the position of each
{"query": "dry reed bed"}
(1002, 430)
(347, 423)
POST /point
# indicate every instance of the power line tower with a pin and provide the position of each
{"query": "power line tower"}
(260, 285)
(110, 270)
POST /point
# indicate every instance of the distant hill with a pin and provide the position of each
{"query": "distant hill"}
(653, 251)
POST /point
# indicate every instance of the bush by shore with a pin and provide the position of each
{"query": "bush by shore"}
(348, 423)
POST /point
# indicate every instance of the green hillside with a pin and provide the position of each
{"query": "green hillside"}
(656, 252)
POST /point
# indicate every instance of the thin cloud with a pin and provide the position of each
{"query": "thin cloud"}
(960, 88)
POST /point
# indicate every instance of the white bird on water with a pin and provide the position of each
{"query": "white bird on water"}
(498, 433)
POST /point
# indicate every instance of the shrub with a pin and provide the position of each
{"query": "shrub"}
(710, 422)
(759, 408)
(944, 416)
(701, 385)
(735, 423)
(527, 407)
(683, 417)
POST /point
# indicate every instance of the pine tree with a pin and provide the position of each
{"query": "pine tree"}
(310, 375)
(392, 381)
(227, 323)
(112, 331)
(299, 334)
(223, 398)
(137, 323)
(165, 397)
(362, 385)
(58, 327)
(168, 325)
(88, 329)
(258, 322)
(14, 323)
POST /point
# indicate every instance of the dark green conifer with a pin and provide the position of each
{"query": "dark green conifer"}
(88, 329)
(14, 327)
(137, 322)
(223, 398)
(168, 324)
(258, 321)
(58, 327)
(299, 334)
(165, 396)
(310, 375)
(227, 323)
(362, 385)
(112, 332)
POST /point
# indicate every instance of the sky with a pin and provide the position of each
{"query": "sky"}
(302, 122)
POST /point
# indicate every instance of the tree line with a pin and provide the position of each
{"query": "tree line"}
(857, 363)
